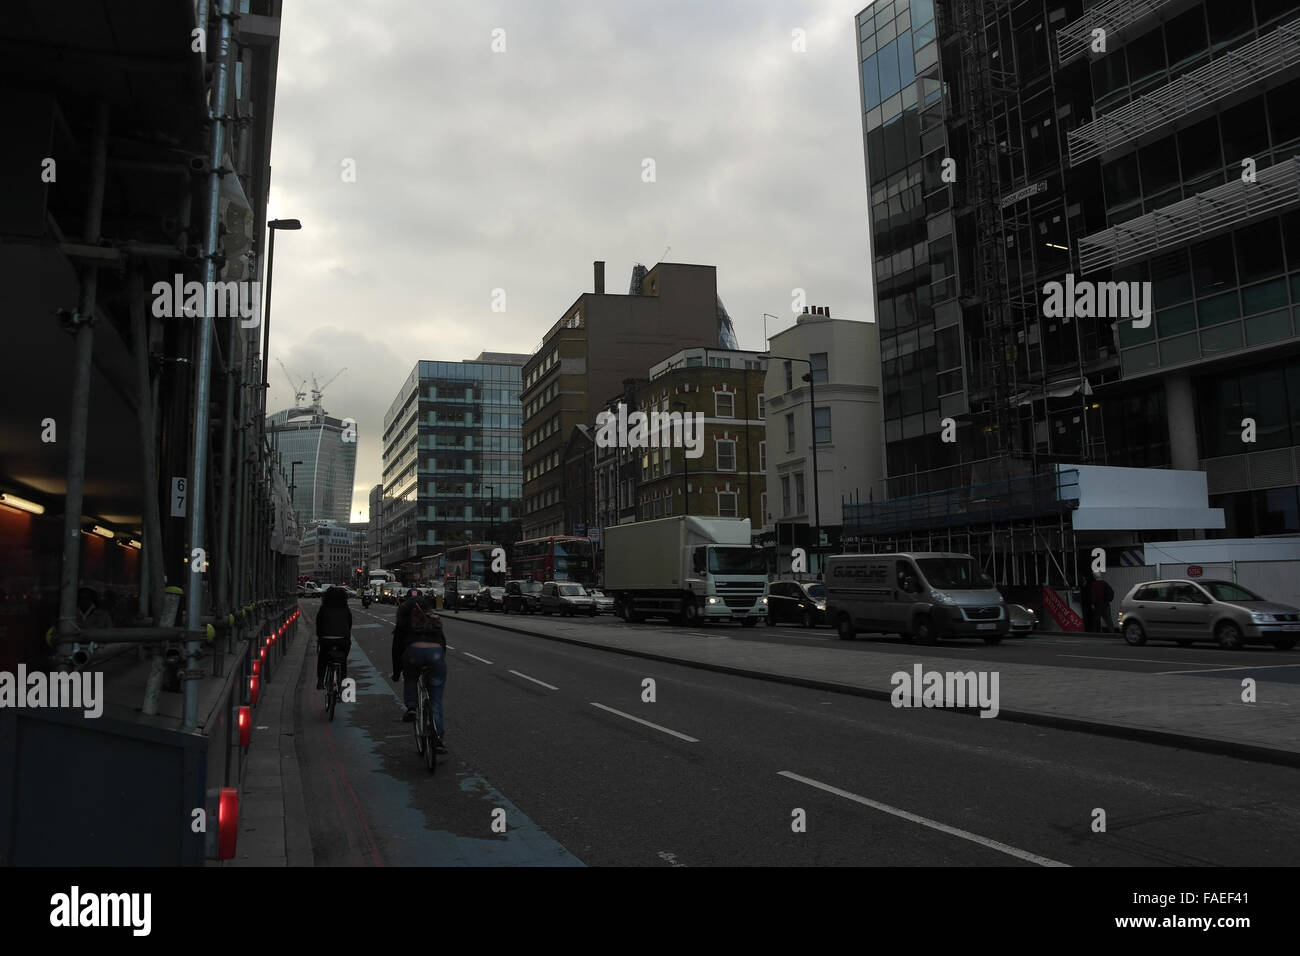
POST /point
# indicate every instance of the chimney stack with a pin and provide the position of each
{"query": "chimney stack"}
(599, 268)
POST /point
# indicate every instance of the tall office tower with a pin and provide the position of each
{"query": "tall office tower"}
(327, 449)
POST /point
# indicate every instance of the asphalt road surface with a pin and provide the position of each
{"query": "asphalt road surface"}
(728, 770)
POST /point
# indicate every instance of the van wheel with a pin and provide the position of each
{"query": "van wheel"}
(1228, 635)
(992, 638)
(1134, 635)
(923, 631)
(844, 628)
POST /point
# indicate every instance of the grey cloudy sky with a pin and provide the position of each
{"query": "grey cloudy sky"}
(478, 170)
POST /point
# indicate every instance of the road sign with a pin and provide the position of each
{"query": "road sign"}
(1194, 571)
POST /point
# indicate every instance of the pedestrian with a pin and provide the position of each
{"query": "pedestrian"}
(1085, 602)
(1102, 595)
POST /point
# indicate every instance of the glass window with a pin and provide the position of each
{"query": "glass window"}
(1212, 265)
(1120, 182)
(724, 404)
(906, 69)
(922, 11)
(888, 59)
(1171, 278)
(1263, 398)
(1259, 251)
(727, 504)
(726, 456)
(1263, 297)
(1277, 511)
(1179, 350)
(789, 376)
(1172, 322)
(1218, 309)
(785, 496)
(798, 493)
(1185, 37)
(1222, 338)
(789, 432)
(819, 367)
(822, 425)
(870, 83)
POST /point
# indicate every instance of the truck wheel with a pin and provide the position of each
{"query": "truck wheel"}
(844, 628)
(923, 631)
(749, 621)
(690, 613)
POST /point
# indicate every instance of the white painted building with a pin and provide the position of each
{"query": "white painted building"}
(844, 356)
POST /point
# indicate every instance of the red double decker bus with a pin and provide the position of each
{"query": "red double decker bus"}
(557, 558)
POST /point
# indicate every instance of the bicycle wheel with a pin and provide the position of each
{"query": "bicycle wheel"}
(331, 689)
(430, 751)
(418, 723)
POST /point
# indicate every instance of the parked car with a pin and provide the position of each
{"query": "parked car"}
(489, 598)
(523, 597)
(1024, 620)
(566, 598)
(604, 602)
(801, 602)
(1186, 611)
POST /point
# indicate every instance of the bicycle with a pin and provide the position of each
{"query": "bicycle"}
(333, 680)
(427, 733)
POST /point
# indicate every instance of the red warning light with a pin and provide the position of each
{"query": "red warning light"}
(245, 725)
(227, 823)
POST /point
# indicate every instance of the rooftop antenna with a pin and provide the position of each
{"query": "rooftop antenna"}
(665, 252)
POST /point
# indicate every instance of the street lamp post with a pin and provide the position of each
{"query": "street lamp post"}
(492, 500)
(812, 420)
(273, 225)
(686, 465)
(293, 469)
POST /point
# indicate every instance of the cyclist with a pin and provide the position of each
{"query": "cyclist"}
(418, 641)
(333, 631)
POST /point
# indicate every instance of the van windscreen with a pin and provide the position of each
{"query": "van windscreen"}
(958, 574)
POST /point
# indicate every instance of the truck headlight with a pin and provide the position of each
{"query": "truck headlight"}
(1259, 617)
(715, 600)
(763, 599)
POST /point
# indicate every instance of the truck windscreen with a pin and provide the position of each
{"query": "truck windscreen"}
(737, 561)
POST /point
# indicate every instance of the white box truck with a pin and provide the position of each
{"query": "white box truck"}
(686, 569)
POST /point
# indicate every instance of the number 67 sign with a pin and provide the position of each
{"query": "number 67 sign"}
(179, 486)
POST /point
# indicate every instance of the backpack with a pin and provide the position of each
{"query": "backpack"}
(423, 624)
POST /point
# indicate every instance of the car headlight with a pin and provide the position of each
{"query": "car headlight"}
(821, 605)
(1259, 617)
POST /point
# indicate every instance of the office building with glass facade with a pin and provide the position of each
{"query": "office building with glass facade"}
(452, 467)
(1004, 151)
(327, 449)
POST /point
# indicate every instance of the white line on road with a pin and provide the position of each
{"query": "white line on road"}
(476, 657)
(925, 822)
(357, 627)
(1138, 660)
(646, 722)
(535, 680)
(1215, 670)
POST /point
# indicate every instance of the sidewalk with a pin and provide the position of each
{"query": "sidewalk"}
(273, 827)
(1194, 712)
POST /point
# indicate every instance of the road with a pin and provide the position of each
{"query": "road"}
(723, 770)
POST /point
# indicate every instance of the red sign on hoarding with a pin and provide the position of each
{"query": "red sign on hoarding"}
(1061, 612)
(1194, 571)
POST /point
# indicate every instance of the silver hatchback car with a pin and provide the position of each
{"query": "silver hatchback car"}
(1186, 611)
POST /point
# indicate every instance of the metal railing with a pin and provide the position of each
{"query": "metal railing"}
(1114, 16)
(1235, 70)
(1018, 497)
(1223, 207)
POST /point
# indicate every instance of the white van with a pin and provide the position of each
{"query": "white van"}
(924, 595)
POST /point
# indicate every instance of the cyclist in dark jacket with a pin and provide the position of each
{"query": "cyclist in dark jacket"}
(333, 631)
(412, 649)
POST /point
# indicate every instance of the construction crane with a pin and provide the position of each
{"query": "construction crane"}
(299, 390)
(318, 390)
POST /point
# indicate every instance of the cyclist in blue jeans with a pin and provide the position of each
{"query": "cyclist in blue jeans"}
(418, 641)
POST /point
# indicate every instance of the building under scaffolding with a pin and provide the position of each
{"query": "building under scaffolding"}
(1003, 153)
(135, 460)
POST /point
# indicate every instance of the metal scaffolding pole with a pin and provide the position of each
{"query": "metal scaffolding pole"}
(84, 339)
(203, 372)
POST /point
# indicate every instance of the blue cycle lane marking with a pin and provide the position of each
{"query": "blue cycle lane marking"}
(409, 835)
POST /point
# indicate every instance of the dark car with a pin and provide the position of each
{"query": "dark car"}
(801, 602)
(465, 595)
(523, 597)
(489, 598)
